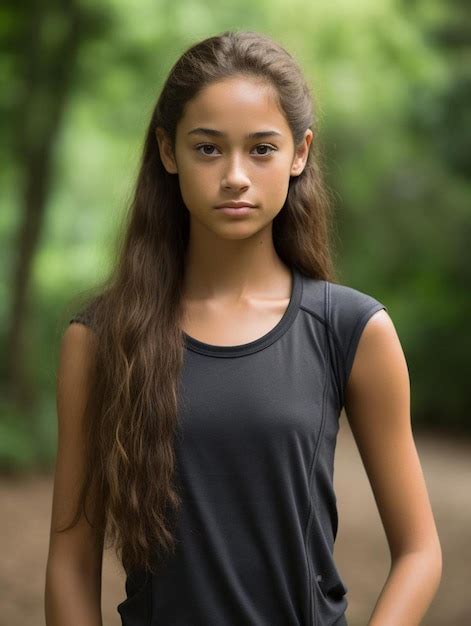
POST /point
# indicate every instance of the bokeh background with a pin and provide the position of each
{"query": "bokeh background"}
(392, 80)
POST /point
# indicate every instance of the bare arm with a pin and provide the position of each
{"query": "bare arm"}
(74, 565)
(378, 409)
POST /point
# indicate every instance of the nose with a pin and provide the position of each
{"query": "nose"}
(235, 176)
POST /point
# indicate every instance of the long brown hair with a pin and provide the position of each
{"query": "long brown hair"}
(132, 413)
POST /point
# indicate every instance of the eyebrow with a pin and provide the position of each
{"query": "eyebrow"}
(218, 133)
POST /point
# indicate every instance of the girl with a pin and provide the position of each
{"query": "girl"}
(200, 389)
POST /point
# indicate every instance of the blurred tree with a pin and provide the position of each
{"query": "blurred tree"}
(444, 116)
(440, 117)
(42, 40)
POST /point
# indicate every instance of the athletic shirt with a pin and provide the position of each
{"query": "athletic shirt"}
(255, 462)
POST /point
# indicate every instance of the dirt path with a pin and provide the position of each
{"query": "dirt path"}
(361, 550)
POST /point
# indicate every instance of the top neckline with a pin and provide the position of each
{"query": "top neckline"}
(261, 342)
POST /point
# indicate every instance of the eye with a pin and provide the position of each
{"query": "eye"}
(266, 145)
(204, 145)
(209, 145)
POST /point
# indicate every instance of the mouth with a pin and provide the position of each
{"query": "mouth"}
(236, 205)
(238, 211)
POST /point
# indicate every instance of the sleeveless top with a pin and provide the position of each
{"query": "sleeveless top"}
(255, 462)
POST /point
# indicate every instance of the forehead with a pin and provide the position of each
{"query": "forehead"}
(235, 106)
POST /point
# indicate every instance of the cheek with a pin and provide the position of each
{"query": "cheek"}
(194, 185)
(275, 173)
(275, 183)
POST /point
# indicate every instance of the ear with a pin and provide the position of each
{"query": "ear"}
(166, 152)
(301, 154)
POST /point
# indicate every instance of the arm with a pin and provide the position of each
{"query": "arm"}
(74, 565)
(378, 410)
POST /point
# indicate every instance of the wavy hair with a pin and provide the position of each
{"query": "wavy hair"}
(136, 312)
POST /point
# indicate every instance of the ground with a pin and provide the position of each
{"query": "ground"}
(361, 551)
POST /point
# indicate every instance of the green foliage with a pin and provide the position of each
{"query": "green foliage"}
(393, 87)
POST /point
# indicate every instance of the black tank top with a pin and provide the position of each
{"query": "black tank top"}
(255, 462)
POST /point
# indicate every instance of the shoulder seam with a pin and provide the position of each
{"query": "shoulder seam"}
(329, 328)
(313, 314)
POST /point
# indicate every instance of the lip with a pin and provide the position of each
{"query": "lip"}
(240, 211)
(235, 205)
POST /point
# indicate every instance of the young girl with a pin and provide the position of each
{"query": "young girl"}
(199, 391)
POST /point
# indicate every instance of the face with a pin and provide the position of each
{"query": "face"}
(224, 163)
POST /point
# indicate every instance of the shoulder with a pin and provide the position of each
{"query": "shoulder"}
(83, 317)
(345, 312)
(88, 316)
(79, 344)
(77, 353)
(342, 308)
(349, 311)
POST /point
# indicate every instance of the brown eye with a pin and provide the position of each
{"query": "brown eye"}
(265, 145)
(211, 146)
(204, 145)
